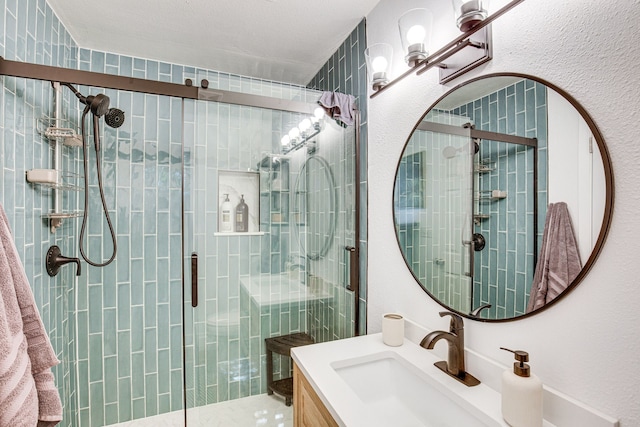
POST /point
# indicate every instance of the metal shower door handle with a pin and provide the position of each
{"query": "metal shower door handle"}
(353, 268)
(194, 280)
(471, 245)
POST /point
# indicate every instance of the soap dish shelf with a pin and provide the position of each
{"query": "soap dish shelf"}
(490, 195)
(62, 215)
(478, 218)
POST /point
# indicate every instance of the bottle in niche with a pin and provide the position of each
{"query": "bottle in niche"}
(226, 222)
(242, 216)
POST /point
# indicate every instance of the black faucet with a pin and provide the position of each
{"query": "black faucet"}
(454, 365)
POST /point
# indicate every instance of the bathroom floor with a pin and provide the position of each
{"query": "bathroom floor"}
(253, 411)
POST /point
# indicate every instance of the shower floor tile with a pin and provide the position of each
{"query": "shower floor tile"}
(254, 411)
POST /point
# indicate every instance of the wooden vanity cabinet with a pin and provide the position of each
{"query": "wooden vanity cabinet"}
(308, 409)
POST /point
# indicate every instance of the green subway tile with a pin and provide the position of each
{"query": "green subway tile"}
(137, 328)
(164, 403)
(111, 413)
(95, 357)
(137, 377)
(123, 306)
(164, 365)
(176, 347)
(85, 417)
(110, 332)
(150, 308)
(124, 354)
(111, 379)
(95, 308)
(150, 350)
(97, 404)
(138, 408)
(176, 390)
(83, 384)
(151, 389)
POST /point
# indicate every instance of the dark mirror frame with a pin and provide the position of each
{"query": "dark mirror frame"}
(609, 196)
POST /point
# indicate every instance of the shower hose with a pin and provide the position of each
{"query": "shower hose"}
(85, 215)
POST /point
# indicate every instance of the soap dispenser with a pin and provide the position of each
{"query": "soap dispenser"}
(226, 222)
(521, 393)
(242, 216)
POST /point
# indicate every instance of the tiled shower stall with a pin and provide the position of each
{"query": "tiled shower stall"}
(119, 330)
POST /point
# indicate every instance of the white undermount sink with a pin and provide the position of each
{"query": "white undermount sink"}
(398, 394)
(364, 383)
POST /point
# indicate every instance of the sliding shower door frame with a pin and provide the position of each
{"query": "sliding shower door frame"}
(468, 130)
(188, 91)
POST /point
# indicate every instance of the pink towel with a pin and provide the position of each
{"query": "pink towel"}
(28, 396)
(339, 106)
(559, 261)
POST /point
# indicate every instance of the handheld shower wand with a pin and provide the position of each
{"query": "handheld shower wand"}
(98, 105)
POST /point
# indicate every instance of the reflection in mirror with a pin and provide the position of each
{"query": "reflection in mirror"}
(315, 207)
(504, 186)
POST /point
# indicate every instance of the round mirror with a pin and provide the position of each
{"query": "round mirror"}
(503, 197)
(315, 207)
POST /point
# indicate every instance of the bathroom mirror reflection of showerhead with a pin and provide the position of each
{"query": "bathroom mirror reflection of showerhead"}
(449, 152)
(539, 147)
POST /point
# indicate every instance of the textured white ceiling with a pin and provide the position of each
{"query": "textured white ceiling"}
(281, 40)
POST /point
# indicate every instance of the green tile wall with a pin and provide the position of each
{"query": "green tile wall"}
(346, 72)
(519, 109)
(30, 31)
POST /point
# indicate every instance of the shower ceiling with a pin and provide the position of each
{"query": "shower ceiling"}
(281, 40)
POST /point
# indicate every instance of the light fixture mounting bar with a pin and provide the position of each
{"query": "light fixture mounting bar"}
(450, 48)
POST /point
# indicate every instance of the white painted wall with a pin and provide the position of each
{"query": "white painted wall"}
(580, 183)
(587, 344)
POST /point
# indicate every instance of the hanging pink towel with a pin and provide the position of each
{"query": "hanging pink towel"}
(559, 261)
(28, 395)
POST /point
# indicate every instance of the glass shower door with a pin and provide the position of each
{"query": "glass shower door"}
(433, 201)
(252, 279)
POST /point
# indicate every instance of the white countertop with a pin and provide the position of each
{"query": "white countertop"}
(315, 362)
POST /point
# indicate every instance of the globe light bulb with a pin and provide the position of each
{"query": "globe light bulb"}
(294, 133)
(379, 64)
(304, 125)
(416, 34)
(318, 113)
(285, 140)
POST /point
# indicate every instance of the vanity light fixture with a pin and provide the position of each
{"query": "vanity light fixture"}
(301, 135)
(469, 13)
(462, 54)
(378, 57)
(415, 34)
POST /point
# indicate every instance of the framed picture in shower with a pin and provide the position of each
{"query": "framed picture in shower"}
(238, 202)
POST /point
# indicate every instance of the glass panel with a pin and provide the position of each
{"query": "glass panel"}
(129, 334)
(433, 208)
(261, 283)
